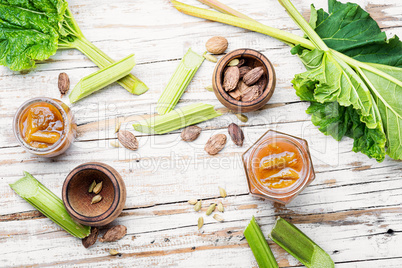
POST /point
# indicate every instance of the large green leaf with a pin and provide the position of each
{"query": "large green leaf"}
(338, 121)
(365, 42)
(349, 29)
(341, 103)
(29, 31)
(388, 96)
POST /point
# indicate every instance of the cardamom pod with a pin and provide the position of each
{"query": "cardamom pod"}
(241, 62)
(242, 117)
(115, 144)
(200, 222)
(210, 58)
(243, 70)
(231, 78)
(215, 144)
(218, 217)
(96, 199)
(220, 207)
(92, 186)
(253, 75)
(222, 192)
(211, 209)
(114, 252)
(192, 201)
(209, 88)
(127, 139)
(233, 62)
(190, 133)
(236, 134)
(197, 206)
(117, 127)
(98, 188)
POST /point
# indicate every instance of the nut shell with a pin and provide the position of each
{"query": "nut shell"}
(128, 139)
(236, 134)
(215, 144)
(190, 133)
(216, 45)
(91, 238)
(252, 76)
(115, 233)
(63, 83)
(231, 78)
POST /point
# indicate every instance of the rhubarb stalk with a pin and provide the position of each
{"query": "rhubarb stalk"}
(40, 197)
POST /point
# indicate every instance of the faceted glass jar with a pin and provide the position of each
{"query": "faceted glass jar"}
(68, 134)
(280, 195)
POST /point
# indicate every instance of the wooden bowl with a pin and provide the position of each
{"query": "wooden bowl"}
(77, 199)
(254, 59)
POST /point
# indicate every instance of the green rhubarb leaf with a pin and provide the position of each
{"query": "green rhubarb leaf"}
(338, 121)
(29, 31)
(334, 80)
(368, 44)
(388, 96)
(349, 29)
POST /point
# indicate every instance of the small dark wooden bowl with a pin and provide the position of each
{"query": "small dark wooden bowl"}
(254, 59)
(77, 200)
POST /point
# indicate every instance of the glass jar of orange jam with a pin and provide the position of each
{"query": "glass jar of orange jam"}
(44, 126)
(278, 166)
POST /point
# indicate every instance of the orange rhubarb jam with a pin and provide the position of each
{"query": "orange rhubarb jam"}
(278, 166)
(44, 126)
(41, 125)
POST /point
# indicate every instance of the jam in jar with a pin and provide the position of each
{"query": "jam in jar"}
(278, 166)
(44, 126)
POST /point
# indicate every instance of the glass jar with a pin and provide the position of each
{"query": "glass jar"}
(67, 126)
(253, 161)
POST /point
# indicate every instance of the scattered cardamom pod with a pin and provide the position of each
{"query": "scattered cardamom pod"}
(91, 238)
(190, 133)
(117, 127)
(113, 234)
(200, 222)
(234, 62)
(115, 144)
(211, 209)
(215, 144)
(197, 206)
(128, 139)
(222, 192)
(210, 58)
(192, 201)
(209, 88)
(98, 188)
(96, 199)
(92, 186)
(236, 134)
(114, 252)
(220, 207)
(63, 83)
(242, 117)
(218, 217)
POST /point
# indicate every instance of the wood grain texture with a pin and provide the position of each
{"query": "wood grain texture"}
(352, 209)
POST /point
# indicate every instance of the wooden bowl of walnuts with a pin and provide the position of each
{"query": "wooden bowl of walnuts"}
(244, 80)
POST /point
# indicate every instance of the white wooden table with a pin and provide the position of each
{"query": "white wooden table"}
(352, 209)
